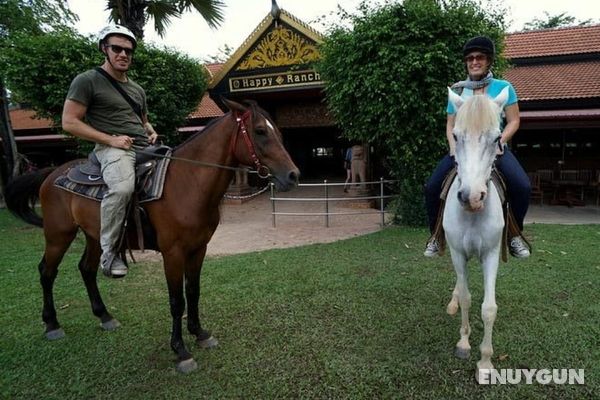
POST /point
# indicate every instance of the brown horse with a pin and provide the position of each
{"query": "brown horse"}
(184, 219)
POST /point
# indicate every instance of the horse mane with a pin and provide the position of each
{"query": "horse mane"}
(478, 114)
(200, 132)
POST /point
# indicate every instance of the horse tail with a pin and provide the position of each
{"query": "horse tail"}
(22, 193)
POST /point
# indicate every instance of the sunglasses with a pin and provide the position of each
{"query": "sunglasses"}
(118, 49)
(475, 57)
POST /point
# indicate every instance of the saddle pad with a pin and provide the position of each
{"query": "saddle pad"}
(152, 189)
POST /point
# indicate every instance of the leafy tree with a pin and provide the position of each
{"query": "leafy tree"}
(174, 83)
(386, 75)
(222, 55)
(33, 17)
(134, 14)
(554, 21)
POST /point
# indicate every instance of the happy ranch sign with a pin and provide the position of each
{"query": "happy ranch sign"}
(275, 81)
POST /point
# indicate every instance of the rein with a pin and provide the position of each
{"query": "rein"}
(261, 170)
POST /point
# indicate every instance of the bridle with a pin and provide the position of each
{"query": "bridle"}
(262, 170)
(496, 142)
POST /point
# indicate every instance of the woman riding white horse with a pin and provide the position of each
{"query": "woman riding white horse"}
(473, 220)
(478, 54)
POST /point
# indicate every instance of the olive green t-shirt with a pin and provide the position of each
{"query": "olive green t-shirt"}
(107, 110)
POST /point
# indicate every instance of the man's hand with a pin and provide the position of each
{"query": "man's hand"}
(121, 142)
(152, 137)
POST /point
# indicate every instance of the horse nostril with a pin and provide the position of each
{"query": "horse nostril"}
(293, 176)
(482, 196)
(459, 194)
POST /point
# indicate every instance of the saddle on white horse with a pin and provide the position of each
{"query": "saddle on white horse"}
(511, 228)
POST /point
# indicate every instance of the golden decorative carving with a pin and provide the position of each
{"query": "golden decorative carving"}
(280, 47)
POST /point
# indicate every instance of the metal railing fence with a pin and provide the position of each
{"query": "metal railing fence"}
(327, 199)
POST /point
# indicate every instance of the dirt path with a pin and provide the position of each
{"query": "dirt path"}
(248, 227)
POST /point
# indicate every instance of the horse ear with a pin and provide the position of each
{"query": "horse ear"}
(502, 98)
(455, 99)
(233, 106)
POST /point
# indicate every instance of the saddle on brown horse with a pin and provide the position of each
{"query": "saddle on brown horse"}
(511, 228)
(85, 179)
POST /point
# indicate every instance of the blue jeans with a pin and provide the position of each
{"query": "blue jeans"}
(517, 183)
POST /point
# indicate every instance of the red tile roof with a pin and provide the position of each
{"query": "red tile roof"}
(573, 77)
(206, 109)
(25, 119)
(553, 42)
(213, 69)
(574, 80)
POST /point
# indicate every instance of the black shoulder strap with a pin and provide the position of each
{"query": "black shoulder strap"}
(136, 107)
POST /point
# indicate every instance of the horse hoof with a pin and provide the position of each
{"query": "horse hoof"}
(187, 366)
(463, 354)
(110, 325)
(209, 343)
(55, 334)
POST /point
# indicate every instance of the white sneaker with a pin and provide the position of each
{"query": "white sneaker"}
(432, 248)
(518, 249)
(116, 269)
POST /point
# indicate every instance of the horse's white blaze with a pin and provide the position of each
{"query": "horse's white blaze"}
(473, 219)
(269, 125)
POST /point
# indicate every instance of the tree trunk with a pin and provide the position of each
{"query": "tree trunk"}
(131, 14)
(10, 164)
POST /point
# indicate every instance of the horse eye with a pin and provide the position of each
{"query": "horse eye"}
(261, 131)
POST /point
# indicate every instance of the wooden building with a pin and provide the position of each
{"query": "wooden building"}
(274, 66)
(556, 74)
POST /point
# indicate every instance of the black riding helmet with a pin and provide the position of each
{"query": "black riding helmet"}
(480, 43)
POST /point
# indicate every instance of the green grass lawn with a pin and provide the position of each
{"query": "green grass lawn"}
(362, 319)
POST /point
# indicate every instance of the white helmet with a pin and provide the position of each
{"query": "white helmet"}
(115, 29)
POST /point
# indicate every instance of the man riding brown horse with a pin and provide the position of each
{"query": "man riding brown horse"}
(105, 106)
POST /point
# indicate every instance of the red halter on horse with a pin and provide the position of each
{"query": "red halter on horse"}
(185, 218)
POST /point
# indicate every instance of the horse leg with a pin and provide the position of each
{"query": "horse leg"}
(56, 246)
(192, 294)
(463, 348)
(452, 306)
(88, 267)
(488, 314)
(174, 262)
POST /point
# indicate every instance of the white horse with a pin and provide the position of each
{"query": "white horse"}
(473, 219)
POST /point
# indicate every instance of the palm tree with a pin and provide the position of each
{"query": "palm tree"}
(134, 14)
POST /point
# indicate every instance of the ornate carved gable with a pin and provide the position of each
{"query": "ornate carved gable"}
(279, 47)
(277, 54)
